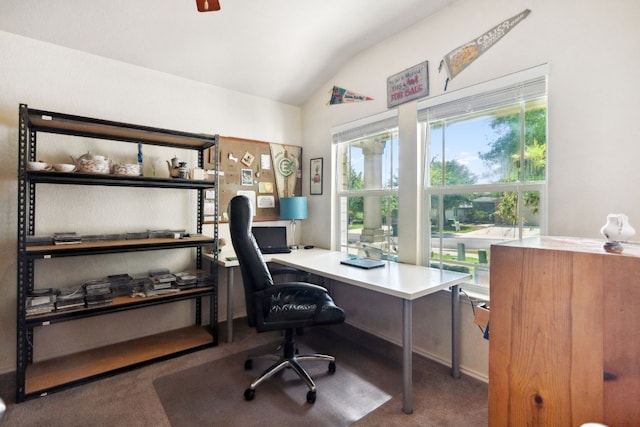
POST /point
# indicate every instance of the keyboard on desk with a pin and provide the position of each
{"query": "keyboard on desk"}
(364, 263)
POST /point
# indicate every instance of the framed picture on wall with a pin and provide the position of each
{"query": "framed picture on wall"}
(315, 178)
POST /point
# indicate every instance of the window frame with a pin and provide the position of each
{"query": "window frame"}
(348, 133)
(462, 103)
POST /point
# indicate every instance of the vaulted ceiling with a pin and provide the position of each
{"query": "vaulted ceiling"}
(283, 50)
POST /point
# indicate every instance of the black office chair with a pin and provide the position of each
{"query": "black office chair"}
(286, 306)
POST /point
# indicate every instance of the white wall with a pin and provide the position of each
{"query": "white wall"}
(52, 78)
(591, 49)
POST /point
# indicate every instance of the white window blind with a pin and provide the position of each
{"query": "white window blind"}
(365, 127)
(466, 102)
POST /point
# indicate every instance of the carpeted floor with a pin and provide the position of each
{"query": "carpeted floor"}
(202, 395)
(206, 389)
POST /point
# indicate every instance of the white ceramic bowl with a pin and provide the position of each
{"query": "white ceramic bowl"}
(38, 166)
(64, 167)
(132, 169)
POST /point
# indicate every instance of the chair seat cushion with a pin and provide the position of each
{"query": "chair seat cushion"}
(299, 304)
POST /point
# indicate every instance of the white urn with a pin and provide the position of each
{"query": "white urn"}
(617, 229)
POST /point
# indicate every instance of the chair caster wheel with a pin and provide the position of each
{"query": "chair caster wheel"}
(249, 394)
(248, 364)
(332, 367)
(311, 396)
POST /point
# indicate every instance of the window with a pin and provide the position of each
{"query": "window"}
(366, 155)
(485, 172)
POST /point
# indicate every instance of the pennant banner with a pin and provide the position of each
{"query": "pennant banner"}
(460, 58)
(343, 96)
(286, 162)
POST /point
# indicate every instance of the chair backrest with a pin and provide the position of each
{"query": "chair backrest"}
(255, 274)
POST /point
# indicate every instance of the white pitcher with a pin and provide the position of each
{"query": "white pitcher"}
(617, 228)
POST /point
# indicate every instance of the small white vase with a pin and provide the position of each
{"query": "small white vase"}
(617, 229)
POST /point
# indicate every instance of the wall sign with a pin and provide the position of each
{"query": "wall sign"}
(407, 85)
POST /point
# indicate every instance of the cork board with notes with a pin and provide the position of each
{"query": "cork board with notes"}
(248, 168)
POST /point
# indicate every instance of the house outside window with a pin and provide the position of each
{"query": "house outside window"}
(485, 173)
(366, 155)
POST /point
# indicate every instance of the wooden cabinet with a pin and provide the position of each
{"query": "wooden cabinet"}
(37, 378)
(565, 334)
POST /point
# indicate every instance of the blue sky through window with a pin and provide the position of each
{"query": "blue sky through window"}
(465, 140)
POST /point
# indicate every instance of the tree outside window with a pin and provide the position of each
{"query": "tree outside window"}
(486, 177)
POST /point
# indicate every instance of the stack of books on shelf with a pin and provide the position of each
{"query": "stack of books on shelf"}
(139, 285)
(94, 237)
(161, 282)
(186, 280)
(66, 238)
(98, 292)
(40, 301)
(69, 298)
(153, 234)
(164, 233)
(194, 278)
(136, 235)
(205, 279)
(150, 291)
(102, 237)
(39, 240)
(71, 237)
(120, 284)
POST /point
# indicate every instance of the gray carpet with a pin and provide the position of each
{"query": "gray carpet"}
(132, 399)
(212, 393)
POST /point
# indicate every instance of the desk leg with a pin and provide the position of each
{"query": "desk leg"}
(407, 350)
(455, 332)
(229, 304)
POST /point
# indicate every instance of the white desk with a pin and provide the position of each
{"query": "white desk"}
(405, 281)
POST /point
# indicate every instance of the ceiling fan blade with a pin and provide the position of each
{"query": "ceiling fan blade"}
(208, 5)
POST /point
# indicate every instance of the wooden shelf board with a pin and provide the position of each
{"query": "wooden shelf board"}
(78, 178)
(116, 246)
(118, 243)
(62, 123)
(119, 303)
(45, 375)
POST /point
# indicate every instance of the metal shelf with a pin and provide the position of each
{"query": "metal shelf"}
(119, 304)
(116, 246)
(74, 178)
(67, 124)
(80, 368)
(41, 378)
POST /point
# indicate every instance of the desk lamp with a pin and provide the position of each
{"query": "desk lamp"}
(293, 208)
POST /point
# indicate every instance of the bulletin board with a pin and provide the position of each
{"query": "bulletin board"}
(255, 169)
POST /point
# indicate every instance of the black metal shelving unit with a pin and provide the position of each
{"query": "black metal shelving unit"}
(35, 379)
